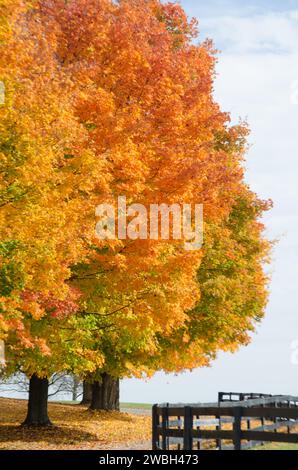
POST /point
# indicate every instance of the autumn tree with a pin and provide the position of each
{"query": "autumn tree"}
(114, 99)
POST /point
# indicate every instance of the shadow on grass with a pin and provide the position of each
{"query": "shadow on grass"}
(57, 435)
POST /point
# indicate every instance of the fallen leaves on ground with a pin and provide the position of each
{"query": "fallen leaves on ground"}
(75, 427)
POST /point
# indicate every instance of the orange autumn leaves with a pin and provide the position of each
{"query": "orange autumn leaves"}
(104, 100)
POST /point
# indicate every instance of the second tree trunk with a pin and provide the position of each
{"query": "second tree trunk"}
(105, 394)
(87, 393)
(37, 414)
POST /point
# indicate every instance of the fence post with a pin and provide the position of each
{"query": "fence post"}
(275, 419)
(165, 426)
(263, 419)
(237, 427)
(155, 424)
(188, 425)
(218, 428)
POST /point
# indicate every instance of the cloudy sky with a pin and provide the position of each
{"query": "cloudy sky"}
(257, 80)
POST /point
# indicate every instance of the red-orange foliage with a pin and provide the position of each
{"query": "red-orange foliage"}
(116, 99)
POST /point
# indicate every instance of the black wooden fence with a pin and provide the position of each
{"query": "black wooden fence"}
(226, 425)
(236, 396)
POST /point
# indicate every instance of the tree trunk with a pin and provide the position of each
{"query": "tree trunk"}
(87, 393)
(105, 394)
(37, 414)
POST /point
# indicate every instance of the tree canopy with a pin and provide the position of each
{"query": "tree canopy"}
(107, 99)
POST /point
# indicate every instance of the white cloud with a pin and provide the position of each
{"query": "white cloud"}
(271, 32)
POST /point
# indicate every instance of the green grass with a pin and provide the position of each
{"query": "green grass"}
(138, 406)
(277, 446)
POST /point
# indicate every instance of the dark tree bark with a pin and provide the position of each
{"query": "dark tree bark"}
(105, 394)
(87, 393)
(37, 414)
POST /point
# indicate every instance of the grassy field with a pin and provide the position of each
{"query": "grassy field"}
(136, 406)
(278, 446)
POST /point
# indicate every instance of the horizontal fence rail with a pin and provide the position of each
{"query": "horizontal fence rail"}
(235, 396)
(232, 424)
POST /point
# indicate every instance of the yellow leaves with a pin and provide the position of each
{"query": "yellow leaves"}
(43, 347)
(132, 370)
(186, 338)
(120, 262)
(92, 360)
(4, 327)
(75, 429)
(33, 308)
